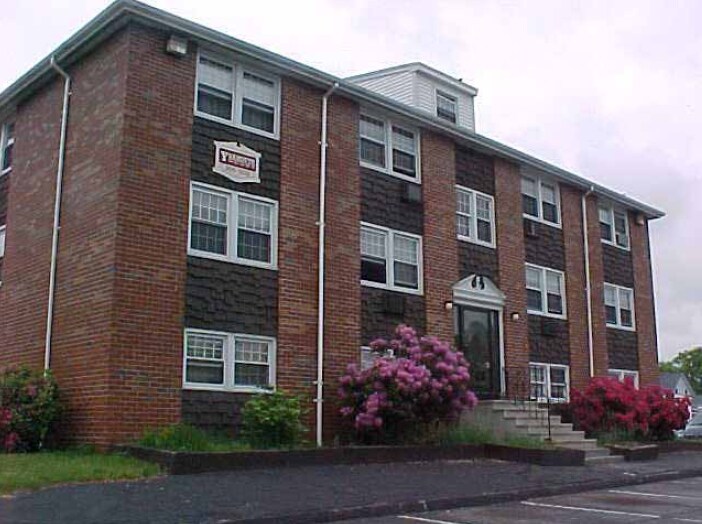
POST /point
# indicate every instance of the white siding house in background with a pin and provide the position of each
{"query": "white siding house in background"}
(424, 88)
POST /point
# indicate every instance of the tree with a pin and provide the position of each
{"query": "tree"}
(688, 362)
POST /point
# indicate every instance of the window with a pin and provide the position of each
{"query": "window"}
(234, 227)
(391, 259)
(545, 291)
(614, 227)
(548, 378)
(389, 147)
(368, 356)
(228, 361)
(2, 241)
(541, 200)
(619, 306)
(236, 95)
(8, 143)
(475, 216)
(446, 107)
(623, 374)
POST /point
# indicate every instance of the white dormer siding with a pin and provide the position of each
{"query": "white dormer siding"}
(418, 85)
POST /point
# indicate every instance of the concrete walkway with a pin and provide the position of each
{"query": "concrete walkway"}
(322, 494)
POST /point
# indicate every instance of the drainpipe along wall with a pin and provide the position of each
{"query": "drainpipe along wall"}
(588, 284)
(57, 211)
(320, 284)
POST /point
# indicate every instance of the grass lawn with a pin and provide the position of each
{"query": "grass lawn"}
(37, 470)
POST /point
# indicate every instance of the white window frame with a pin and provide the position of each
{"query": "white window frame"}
(390, 261)
(474, 217)
(540, 181)
(368, 356)
(4, 143)
(547, 381)
(621, 374)
(544, 295)
(618, 292)
(3, 239)
(232, 227)
(611, 212)
(388, 169)
(238, 70)
(445, 94)
(229, 362)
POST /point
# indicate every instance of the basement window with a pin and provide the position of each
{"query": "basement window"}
(7, 139)
(545, 291)
(233, 94)
(551, 379)
(625, 374)
(541, 200)
(614, 227)
(391, 259)
(619, 307)
(475, 217)
(388, 147)
(233, 227)
(228, 361)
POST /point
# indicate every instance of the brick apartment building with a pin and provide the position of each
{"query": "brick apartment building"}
(184, 272)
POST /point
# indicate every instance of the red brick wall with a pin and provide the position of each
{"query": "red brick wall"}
(297, 241)
(510, 257)
(599, 327)
(30, 209)
(644, 302)
(150, 259)
(342, 257)
(439, 241)
(571, 205)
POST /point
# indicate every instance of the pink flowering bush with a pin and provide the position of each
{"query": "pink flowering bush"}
(426, 382)
(608, 406)
(28, 409)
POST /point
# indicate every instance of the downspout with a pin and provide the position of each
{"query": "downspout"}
(320, 284)
(57, 210)
(588, 284)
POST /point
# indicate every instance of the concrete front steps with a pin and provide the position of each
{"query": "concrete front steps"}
(527, 418)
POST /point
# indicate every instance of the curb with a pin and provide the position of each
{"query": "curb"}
(418, 506)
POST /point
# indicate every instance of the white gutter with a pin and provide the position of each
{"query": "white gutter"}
(588, 284)
(320, 273)
(57, 211)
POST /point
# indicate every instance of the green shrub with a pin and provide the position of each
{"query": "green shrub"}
(184, 437)
(29, 407)
(272, 420)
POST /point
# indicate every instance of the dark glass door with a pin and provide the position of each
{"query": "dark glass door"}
(479, 339)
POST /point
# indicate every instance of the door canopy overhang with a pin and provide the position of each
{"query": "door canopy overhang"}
(478, 290)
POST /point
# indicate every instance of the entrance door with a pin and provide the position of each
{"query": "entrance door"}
(479, 340)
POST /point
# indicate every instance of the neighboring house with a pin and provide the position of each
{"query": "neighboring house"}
(186, 271)
(679, 384)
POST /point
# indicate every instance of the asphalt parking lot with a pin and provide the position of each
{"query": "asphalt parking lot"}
(674, 501)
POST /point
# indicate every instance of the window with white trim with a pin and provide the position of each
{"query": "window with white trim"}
(368, 356)
(614, 227)
(234, 227)
(623, 374)
(541, 200)
(619, 306)
(389, 147)
(551, 379)
(446, 107)
(2, 241)
(227, 361)
(545, 291)
(391, 259)
(237, 95)
(7, 139)
(475, 216)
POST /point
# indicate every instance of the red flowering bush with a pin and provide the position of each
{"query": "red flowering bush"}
(610, 406)
(425, 382)
(28, 408)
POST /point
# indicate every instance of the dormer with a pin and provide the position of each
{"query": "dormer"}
(426, 89)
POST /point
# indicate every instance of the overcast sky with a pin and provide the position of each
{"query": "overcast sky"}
(609, 90)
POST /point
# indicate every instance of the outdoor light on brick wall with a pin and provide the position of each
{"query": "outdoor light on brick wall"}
(448, 305)
(514, 316)
(177, 46)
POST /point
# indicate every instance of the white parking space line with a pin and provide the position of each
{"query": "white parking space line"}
(591, 510)
(659, 495)
(429, 521)
(680, 519)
